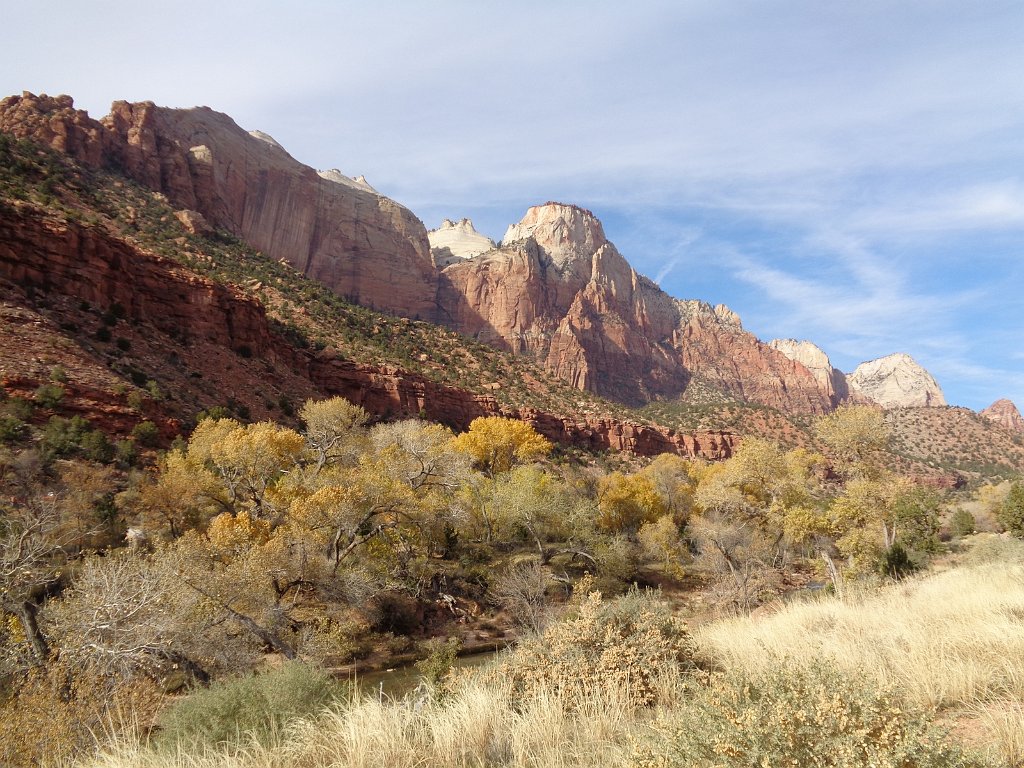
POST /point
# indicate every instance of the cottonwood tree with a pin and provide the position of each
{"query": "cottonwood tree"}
(334, 432)
(856, 437)
(496, 444)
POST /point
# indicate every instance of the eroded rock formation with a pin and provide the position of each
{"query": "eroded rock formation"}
(67, 259)
(814, 359)
(457, 241)
(558, 290)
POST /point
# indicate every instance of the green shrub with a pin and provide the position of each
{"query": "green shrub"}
(63, 437)
(48, 395)
(146, 434)
(1011, 513)
(19, 408)
(96, 446)
(58, 375)
(962, 523)
(802, 717)
(255, 707)
(438, 662)
(103, 334)
(11, 428)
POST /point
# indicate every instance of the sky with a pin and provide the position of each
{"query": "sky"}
(851, 173)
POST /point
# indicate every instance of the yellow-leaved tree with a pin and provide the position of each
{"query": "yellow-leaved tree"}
(496, 444)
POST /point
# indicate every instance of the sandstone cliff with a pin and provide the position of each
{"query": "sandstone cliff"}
(361, 244)
(896, 381)
(558, 290)
(814, 359)
(1005, 413)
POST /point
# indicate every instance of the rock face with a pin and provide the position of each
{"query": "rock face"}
(814, 359)
(457, 241)
(361, 244)
(558, 290)
(896, 381)
(1005, 413)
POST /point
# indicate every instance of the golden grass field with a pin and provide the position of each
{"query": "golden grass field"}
(950, 643)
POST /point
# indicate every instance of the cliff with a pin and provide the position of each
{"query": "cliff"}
(1005, 414)
(362, 245)
(896, 381)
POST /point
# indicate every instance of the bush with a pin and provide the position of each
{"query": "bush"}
(255, 707)
(19, 408)
(1011, 513)
(11, 429)
(63, 437)
(48, 395)
(146, 434)
(629, 644)
(962, 523)
(96, 446)
(103, 334)
(791, 716)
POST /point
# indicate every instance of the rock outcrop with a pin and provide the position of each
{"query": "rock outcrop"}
(558, 290)
(814, 359)
(896, 381)
(1004, 413)
(362, 245)
(457, 241)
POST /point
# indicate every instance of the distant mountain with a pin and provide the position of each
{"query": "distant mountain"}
(896, 381)
(1005, 413)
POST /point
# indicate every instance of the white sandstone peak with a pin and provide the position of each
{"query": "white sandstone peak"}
(266, 137)
(565, 232)
(457, 241)
(896, 381)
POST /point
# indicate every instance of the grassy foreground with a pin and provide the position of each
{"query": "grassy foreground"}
(827, 682)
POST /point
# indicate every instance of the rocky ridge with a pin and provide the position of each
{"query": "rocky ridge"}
(203, 321)
(362, 245)
(1005, 414)
(896, 381)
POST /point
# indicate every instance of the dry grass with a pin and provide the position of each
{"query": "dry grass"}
(478, 727)
(951, 643)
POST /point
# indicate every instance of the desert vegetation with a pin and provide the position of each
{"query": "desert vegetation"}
(135, 591)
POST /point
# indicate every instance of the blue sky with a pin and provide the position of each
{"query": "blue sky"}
(845, 172)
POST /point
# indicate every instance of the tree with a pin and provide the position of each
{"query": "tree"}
(1011, 512)
(333, 429)
(661, 540)
(248, 459)
(627, 502)
(527, 500)
(496, 444)
(855, 435)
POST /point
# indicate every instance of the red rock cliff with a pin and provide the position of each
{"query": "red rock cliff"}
(361, 244)
(558, 290)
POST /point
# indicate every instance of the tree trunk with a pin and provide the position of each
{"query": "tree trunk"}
(26, 611)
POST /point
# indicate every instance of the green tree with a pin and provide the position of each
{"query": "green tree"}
(1011, 513)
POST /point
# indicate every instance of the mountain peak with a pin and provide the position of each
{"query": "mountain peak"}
(896, 380)
(1005, 413)
(456, 241)
(565, 232)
